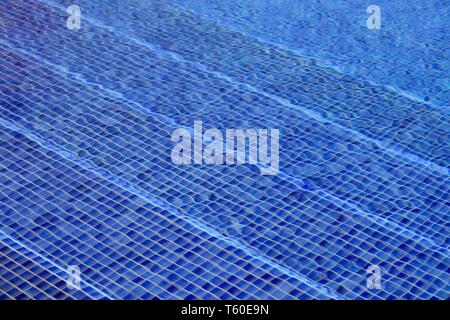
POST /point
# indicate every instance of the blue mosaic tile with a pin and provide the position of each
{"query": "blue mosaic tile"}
(373, 110)
(320, 163)
(26, 275)
(86, 176)
(409, 52)
(125, 247)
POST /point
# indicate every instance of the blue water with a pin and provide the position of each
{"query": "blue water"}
(86, 177)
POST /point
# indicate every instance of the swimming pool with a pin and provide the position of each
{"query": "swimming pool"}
(87, 179)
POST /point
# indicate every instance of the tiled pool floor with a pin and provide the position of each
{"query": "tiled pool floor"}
(86, 176)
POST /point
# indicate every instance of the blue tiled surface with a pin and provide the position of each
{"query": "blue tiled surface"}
(26, 275)
(125, 247)
(396, 121)
(411, 51)
(86, 176)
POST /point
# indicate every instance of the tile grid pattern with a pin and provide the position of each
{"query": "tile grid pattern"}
(105, 125)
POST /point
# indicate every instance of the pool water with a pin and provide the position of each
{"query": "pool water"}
(87, 179)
